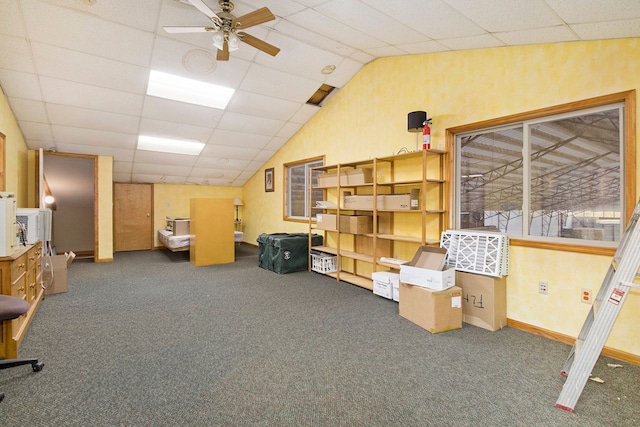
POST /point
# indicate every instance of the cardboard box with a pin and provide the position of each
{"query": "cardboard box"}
(435, 311)
(353, 224)
(326, 222)
(359, 176)
(384, 283)
(427, 269)
(484, 300)
(396, 202)
(59, 264)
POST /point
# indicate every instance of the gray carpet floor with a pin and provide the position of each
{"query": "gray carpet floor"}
(150, 340)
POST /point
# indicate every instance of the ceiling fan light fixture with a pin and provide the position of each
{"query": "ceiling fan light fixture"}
(218, 41)
(234, 42)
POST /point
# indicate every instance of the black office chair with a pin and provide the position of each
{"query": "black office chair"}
(12, 308)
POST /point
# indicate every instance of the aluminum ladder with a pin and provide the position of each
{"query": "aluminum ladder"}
(604, 311)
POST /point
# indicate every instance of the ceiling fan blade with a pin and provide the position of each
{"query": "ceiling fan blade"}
(175, 30)
(199, 4)
(259, 44)
(223, 55)
(256, 17)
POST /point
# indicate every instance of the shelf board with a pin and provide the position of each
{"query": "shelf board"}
(409, 239)
(363, 282)
(407, 182)
(356, 255)
(325, 249)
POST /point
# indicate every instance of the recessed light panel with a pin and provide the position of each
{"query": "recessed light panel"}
(191, 91)
(166, 145)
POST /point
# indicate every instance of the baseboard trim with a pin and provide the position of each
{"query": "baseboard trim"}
(566, 339)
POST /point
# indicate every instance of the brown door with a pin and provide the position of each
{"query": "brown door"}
(132, 217)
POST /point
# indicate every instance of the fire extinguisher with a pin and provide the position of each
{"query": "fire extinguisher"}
(426, 135)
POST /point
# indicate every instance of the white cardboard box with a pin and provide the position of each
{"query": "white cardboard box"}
(384, 283)
(423, 271)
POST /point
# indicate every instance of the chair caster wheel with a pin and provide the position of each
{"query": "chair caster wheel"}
(37, 367)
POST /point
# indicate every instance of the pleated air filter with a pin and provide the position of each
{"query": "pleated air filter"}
(476, 252)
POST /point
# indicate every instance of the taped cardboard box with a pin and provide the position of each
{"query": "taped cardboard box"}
(358, 176)
(392, 202)
(435, 311)
(484, 300)
(59, 265)
(353, 224)
(427, 269)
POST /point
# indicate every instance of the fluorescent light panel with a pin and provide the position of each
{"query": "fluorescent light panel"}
(168, 86)
(165, 145)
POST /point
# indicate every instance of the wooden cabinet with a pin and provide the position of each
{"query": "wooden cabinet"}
(407, 200)
(211, 230)
(21, 277)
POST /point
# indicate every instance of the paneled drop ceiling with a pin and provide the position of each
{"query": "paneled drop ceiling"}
(75, 72)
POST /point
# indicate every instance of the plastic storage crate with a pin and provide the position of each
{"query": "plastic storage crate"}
(324, 263)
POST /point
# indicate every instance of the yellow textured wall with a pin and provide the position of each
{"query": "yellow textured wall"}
(368, 117)
(16, 154)
(174, 201)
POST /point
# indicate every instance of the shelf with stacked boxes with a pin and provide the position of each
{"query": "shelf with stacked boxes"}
(379, 209)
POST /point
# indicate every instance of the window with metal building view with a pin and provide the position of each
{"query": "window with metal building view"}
(555, 178)
(299, 180)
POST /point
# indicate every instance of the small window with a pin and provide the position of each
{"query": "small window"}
(299, 182)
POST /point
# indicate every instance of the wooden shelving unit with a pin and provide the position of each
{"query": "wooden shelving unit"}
(397, 233)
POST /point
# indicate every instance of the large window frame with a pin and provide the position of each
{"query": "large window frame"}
(298, 182)
(628, 153)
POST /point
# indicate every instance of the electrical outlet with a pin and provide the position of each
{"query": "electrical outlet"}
(543, 287)
(586, 296)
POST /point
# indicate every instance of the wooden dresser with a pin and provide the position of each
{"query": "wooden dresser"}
(20, 276)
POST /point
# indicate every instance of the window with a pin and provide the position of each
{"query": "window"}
(298, 176)
(555, 176)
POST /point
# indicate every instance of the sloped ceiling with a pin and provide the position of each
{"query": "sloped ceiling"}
(75, 72)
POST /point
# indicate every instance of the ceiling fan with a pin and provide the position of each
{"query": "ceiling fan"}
(226, 36)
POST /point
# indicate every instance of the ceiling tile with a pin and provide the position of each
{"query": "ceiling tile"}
(370, 21)
(86, 33)
(20, 85)
(145, 156)
(29, 110)
(119, 154)
(288, 130)
(121, 177)
(221, 163)
(147, 178)
(225, 151)
(507, 15)
(281, 85)
(80, 136)
(174, 130)
(37, 132)
(477, 42)
(322, 24)
(180, 112)
(306, 36)
(536, 36)
(614, 29)
(433, 18)
(305, 112)
(85, 96)
(585, 11)
(92, 119)
(238, 139)
(250, 124)
(159, 169)
(93, 70)
(139, 13)
(16, 54)
(253, 104)
(122, 167)
(11, 19)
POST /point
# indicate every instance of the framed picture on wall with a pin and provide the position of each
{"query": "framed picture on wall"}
(268, 180)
